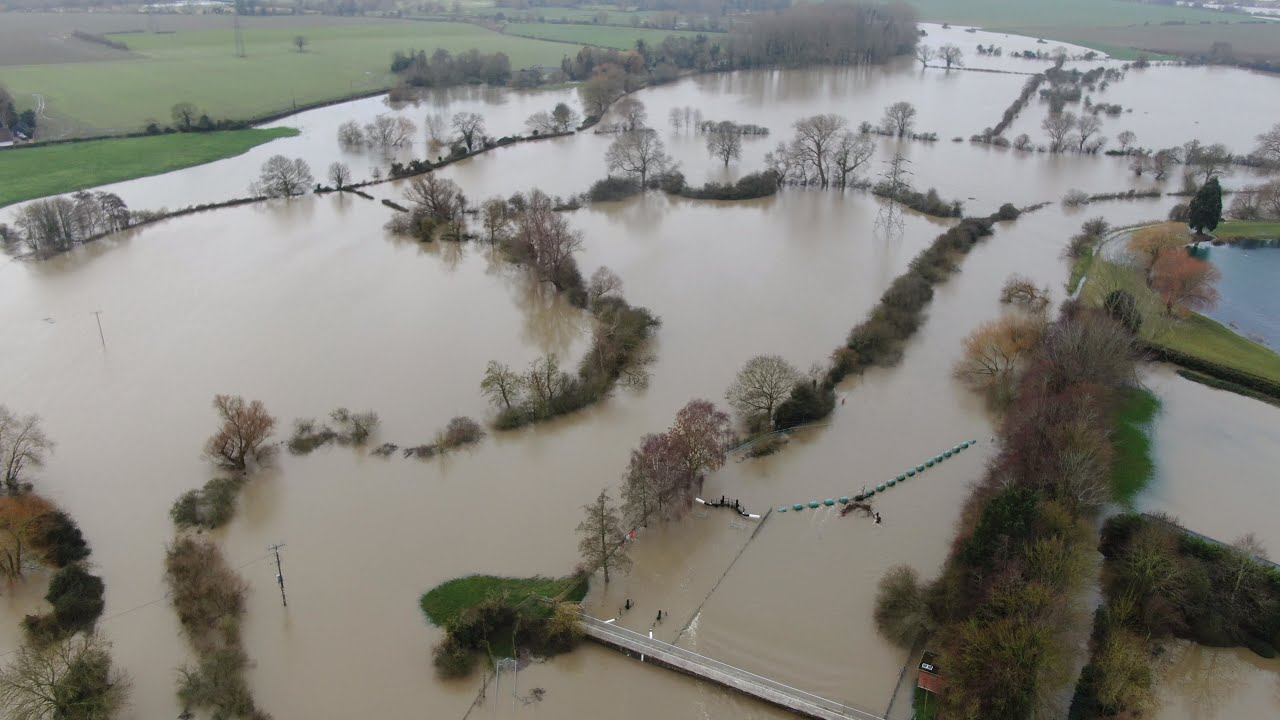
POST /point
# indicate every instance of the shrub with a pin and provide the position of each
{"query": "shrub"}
(766, 446)
(808, 402)
(76, 597)
(460, 431)
(901, 614)
(1075, 198)
(212, 506)
(1122, 308)
(748, 187)
(613, 188)
(58, 539)
(1180, 212)
(1008, 211)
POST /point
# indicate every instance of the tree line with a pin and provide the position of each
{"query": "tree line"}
(63, 667)
(54, 225)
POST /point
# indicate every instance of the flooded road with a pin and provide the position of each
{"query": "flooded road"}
(309, 304)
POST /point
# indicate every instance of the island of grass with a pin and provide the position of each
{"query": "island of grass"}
(502, 617)
(42, 170)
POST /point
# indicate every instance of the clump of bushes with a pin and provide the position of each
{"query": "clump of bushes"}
(1019, 290)
(209, 599)
(211, 506)
(459, 432)
(58, 539)
(613, 188)
(927, 202)
(748, 187)
(76, 597)
(1160, 581)
(352, 429)
(766, 446)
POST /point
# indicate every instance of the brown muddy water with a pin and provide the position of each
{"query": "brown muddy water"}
(309, 304)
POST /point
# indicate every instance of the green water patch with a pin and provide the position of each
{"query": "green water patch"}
(1132, 467)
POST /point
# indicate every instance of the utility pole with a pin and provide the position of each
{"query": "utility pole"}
(279, 574)
(98, 315)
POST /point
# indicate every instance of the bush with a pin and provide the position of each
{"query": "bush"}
(1075, 198)
(1008, 211)
(748, 187)
(59, 540)
(613, 188)
(76, 597)
(1122, 308)
(1180, 212)
(672, 182)
(901, 614)
(808, 402)
(460, 431)
(212, 506)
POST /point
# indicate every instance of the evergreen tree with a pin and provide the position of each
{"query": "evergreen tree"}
(1206, 207)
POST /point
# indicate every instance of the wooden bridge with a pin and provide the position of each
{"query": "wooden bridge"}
(669, 656)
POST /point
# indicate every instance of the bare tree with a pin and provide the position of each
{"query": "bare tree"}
(814, 137)
(339, 175)
(242, 434)
(495, 215)
(676, 118)
(437, 129)
(724, 142)
(565, 117)
(540, 123)
(387, 131)
(924, 54)
(545, 381)
(502, 385)
(1086, 126)
(1126, 138)
(639, 153)
(72, 678)
(1163, 161)
(282, 177)
(850, 153)
(350, 134)
(631, 114)
(604, 282)
(1268, 147)
(602, 541)
(437, 198)
(995, 351)
(470, 126)
(761, 384)
(300, 42)
(951, 55)
(1211, 161)
(899, 117)
(1058, 126)
(23, 445)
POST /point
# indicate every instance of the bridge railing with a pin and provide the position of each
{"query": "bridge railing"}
(807, 697)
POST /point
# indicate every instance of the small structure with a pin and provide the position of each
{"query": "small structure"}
(930, 684)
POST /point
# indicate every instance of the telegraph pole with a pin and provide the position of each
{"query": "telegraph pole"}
(98, 315)
(279, 574)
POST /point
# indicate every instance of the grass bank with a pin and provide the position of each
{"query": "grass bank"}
(1251, 229)
(55, 169)
(1197, 336)
(1132, 467)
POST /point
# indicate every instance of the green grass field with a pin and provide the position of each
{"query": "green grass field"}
(1118, 27)
(447, 600)
(54, 169)
(1257, 229)
(611, 36)
(1133, 467)
(1195, 335)
(201, 67)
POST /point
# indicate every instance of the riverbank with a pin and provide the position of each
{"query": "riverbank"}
(1195, 342)
(33, 172)
(1236, 230)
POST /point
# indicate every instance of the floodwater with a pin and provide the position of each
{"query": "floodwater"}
(1247, 299)
(309, 304)
(1203, 683)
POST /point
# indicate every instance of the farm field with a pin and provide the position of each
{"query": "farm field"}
(199, 66)
(612, 36)
(1118, 27)
(38, 171)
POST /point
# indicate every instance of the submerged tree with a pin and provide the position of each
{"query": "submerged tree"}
(602, 541)
(951, 55)
(639, 154)
(72, 679)
(924, 54)
(502, 385)
(282, 177)
(899, 117)
(242, 434)
(23, 445)
(339, 175)
(724, 142)
(761, 384)
(470, 126)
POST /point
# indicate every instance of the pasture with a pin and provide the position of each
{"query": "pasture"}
(610, 36)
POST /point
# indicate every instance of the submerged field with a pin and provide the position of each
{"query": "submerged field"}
(53, 169)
